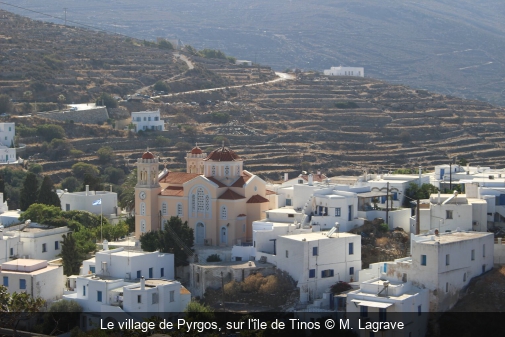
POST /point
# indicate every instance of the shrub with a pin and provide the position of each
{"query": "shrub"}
(35, 168)
(214, 258)
(346, 105)
(252, 283)
(384, 227)
(340, 287)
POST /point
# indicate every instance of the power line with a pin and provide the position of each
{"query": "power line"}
(60, 18)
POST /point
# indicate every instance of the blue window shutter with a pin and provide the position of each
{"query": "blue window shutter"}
(6, 281)
(314, 251)
(139, 274)
(312, 273)
(22, 284)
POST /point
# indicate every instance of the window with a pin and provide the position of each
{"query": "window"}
(287, 253)
(6, 281)
(142, 226)
(291, 215)
(327, 273)
(9, 128)
(351, 248)
(142, 208)
(207, 203)
(226, 170)
(224, 213)
(11, 251)
(92, 269)
(56, 245)
(312, 273)
(172, 295)
(351, 271)
(83, 290)
(138, 119)
(139, 274)
(423, 260)
(179, 210)
(382, 314)
(385, 267)
(150, 272)
(448, 214)
(419, 310)
(144, 119)
(67, 207)
(446, 287)
(162, 272)
(22, 283)
(213, 170)
(199, 199)
(99, 296)
(464, 277)
(473, 254)
(483, 250)
(447, 259)
(363, 311)
(164, 208)
(193, 203)
(44, 248)
(288, 202)
(139, 298)
(300, 181)
(155, 298)
(314, 251)
(148, 119)
(156, 119)
(338, 211)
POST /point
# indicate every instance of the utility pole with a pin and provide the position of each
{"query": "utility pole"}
(418, 220)
(387, 203)
(450, 176)
(65, 9)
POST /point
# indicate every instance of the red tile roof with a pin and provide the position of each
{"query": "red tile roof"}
(217, 182)
(257, 199)
(317, 177)
(178, 177)
(173, 191)
(196, 150)
(230, 195)
(223, 154)
(242, 180)
(268, 192)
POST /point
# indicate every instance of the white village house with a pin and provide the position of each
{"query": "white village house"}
(148, 120)
(7, 150)
(345, 71)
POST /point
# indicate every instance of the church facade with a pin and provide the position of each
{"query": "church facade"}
(216, 196)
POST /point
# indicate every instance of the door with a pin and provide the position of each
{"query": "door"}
(224, 235)
(442, 172)
(200, 233)
(349, 217)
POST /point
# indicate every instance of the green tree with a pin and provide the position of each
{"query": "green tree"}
(47, 193)
(29, 191)
(71, 256)
(50, 132)
(114, 175)
(161, 86)
(183, 146)
(5, 104)
(61, 101)
(19, 306)
(414, 192)
(40, 213)
(59, 149)
(71, 184)
(2, 188)
(218, 140)
(127, 196)
(35, 168)
(61, 317)
(105, 154)
(79, 170)
(149, 242)
(220, 117)
(164, 44)
(94, 183)
(107, 100)
(162, 141)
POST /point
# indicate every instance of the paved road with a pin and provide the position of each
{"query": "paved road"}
(282, 77)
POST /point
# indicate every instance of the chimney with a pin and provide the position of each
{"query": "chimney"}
(311, 179)
(142, 283)
(105, 245)
(87, 189)
(318, 172)
(285, 176)
(110, 188)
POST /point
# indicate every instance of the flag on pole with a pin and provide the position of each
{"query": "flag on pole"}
(97, 202)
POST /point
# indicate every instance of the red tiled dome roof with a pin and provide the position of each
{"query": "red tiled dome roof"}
(196, 150)
(148, 155)
(223, 154)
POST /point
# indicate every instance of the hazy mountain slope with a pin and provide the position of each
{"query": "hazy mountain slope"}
(453, 47)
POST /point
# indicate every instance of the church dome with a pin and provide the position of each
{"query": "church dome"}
(223, 154)
(147, 155)
(196, 150)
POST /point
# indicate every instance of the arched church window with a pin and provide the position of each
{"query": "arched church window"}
(142, 208)
(193, 203)
(179, 210)
(226, 170)
(143, 226)
(164, 208)
(207, 203)
(213, 170)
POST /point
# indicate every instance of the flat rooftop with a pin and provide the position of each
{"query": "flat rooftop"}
(315, 236)
(283, 210)
(454, 236)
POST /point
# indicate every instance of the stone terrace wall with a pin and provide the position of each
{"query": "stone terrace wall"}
(91, 116)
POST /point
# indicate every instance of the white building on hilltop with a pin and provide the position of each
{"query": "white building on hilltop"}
(35, 277)
(7, 150)
(148, 120)
(345, 71)
(443, 263)
(83, 201)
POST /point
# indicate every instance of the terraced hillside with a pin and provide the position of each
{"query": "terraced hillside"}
(339, 125)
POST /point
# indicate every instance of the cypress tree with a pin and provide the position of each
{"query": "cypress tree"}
(29, 191)
(70, 255)
(47, 193)
(2, 188)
